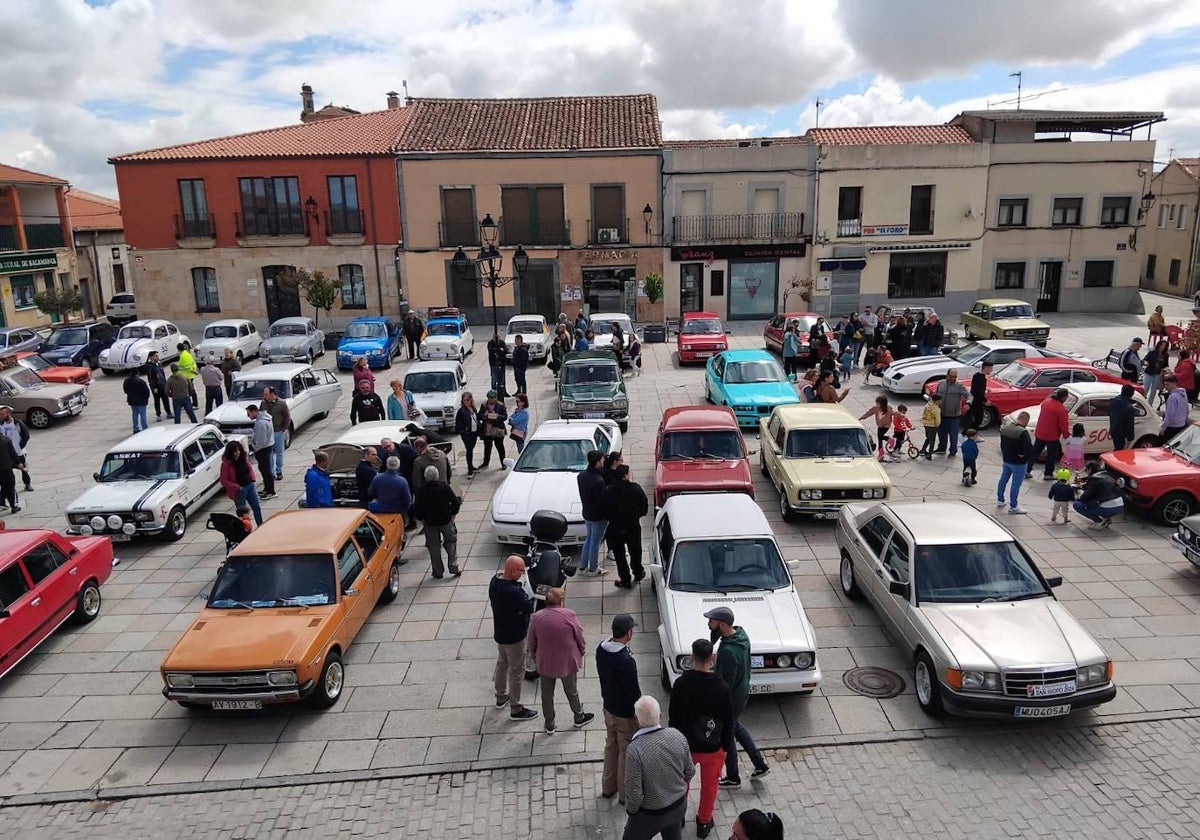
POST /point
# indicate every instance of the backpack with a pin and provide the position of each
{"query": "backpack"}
(706, 732)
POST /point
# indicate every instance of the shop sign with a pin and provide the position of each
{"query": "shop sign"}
(18, 263)
(611, 254)
(708, 253)
(885, 230)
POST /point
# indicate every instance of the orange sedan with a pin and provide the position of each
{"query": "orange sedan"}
(286, 605)
(68, 374)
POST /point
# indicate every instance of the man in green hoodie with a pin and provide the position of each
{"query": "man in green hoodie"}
(733, 666)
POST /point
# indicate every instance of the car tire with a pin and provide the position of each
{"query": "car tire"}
(762, 465)
(1173, 508)
(87, 603)
(387, 362)
(330, 683)
(784, 510)
(846, 577)
(176, 525)
(109, 371)
(925, 681)
(310, 357)
(240, 358)
(392, 589)
(93, 362)
(38, 418)
(987, 418)
(664, 677)
(1147, 441)
(994, 337)
(624, 427)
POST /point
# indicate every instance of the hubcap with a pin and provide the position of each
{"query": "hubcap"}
(783, 505)
(924, 687)
(1176, 511)
(394, 579)
(847, 574)
(178, 523)
(91, 600)
(333, 680)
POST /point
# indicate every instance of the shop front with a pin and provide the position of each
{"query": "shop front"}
(609, 280)
(23, 275)
(739, 282)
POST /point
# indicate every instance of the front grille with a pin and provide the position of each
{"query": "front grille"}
(1019, 683)
(593, 406)
(232, 682)
(841, 494)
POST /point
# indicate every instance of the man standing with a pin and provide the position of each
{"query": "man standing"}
(1122, 418)
(624, 505)
(366, 405)
(229, 366)
(18, 434)
(733, 666)
(658, 768)
(262, 443)
(1130, 362)
(953, 395)
(364, 473)
(1176, 411)
(870, 321)
(428, 456)
(556, 644)
(1052, 426)
(9, 461)
(137, 396)
(178, 390)
(617, 671)
(436, 505)
(213, 379)
(702, 709)
(978, 395)
(187, 366)
(158, 386)
(1015, 447)
(511, 608)
(497, 354)
(591, 496)
(389, 491)
(932, 336)
(413, 330)
(318, 490)
(281, 420)
(520, 363)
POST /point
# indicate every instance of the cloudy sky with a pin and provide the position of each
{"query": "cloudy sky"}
(88, 79)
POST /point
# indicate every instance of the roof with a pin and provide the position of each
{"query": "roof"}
(13, 175)
(739, 142)
(702, 417)
(1094, 389)
(228, 322)
(607, 316)
(293, 319)
(747, 355)
(590, 356)
(716, 516)
(437, 367)
(93, 212)
(1054, 362)
(1122, 121)
(817, 415)
(947, 523)
(891, 135)
(790, 315)
(704, 314)
(569, 429)
(562, 123)
(160, 437)
(1191, 166)
(308, 531)
(1002, 302)
(16, 541)
(272, 371)
(531, 317)
(370, 319)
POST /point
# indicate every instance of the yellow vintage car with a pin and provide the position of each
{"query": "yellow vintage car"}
(1005, 318)
(819, 458)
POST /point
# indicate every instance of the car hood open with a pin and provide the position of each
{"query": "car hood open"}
(1016, 634)
(232, 413)
(247, 640)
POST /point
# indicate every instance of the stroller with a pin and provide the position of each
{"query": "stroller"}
(231, 528)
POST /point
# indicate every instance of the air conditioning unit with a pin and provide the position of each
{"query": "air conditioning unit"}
(608, 235)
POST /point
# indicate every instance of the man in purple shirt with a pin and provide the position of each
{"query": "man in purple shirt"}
(1177, 410)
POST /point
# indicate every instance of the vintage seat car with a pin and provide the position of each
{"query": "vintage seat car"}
(137, 340)
(292, 340)
(50, 372)
(447, 336)
(236, 334)
(150, 483)
(284, 609)
(376, 338)
(717, 549)
(751, 382)
(775, 328)
(699, 449)
(1162, 481)
(122, 308)
(308, 393)
(46, 579)
(1005, 318)
(77, 343)
(1187, 538)
(700, 336)
(819, 458)
(346, 450)
(912, 312)
(545, 476)
(912, 375)
(1087, 403)
(971, 610)
(16, 339)
(37, 402)
(535, 334)
(591, 387)
(600, 323)
(437, 389)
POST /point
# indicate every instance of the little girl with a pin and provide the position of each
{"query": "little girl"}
(883, 414)
(1073, 450)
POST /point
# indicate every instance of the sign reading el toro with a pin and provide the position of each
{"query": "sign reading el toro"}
(19, 263)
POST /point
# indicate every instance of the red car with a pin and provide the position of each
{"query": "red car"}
(700, 450)
(51, 372)
(1162, 480)
(700, 336)
(773, 331)
(46, 579)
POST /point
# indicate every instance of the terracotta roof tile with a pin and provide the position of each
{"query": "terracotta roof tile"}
(1191, 166)
(737, 142)
(13, 175)
(94, 212)
(519, 125)
(890, 135)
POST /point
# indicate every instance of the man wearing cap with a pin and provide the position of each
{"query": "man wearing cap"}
(511, 608)
(733, 666)
(1130, 362)
(1176, 410)
(619, 689)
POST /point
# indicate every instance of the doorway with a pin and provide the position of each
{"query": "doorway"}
(610, 290)
(1049, 285)
(283, 299)
(538, 293)
(691, 287)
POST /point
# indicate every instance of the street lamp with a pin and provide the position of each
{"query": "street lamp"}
(1148, 201)
(487, 267)
(647, 215)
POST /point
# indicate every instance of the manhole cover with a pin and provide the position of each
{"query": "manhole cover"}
(874, 682)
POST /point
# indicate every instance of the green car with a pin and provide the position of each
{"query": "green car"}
(1005, 318)
(590, 387)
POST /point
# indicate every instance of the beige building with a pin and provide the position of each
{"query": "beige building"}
(1171, 246)
(100, 249)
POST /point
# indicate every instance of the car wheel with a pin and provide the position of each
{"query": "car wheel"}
(1173, 508)
(176, 525)
(240, 358)
(392, 589)
(109, 371)
(330, 683)
(846, 575)
(87, 605)
(38, 418)
(1146, 441)
(287, 437)
(310, 357)
(929, 690)
(664, 677)
(987, 418)
(387, 362)
(784, 510)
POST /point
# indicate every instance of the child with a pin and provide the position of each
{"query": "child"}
(243, 513)
(970, 454)
(883, 414)
(847, 361)
(1073, 450)
(901, 426)
(1062, 494)
(883, 358)
(808, 391)
(931, 418)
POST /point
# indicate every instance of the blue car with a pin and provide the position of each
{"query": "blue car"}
(374, 337)
(751, 382)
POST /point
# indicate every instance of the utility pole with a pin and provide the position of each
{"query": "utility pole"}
(818, 103)
(1018, 76)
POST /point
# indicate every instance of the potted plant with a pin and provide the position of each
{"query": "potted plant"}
(652, 310)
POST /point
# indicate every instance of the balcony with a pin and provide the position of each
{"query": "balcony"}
(452, 234)
(43, 236)
(195, 227)
(608, 232)
(270, 225)
(554, 232)
(344, 221)
(849, 227)
(8, 238)
(738, 227)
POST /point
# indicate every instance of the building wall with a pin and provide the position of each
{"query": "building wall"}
(15, 315)
(97, 265)
(1165, 238)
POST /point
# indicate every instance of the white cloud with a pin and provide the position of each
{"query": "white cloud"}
(882, 103)
(704, 124)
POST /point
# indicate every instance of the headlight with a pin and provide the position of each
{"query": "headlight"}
(811, 494)
(722, 346)
(783, 660)
(62, 403)
(103, 355)
(685, 347)
(980, 681)
(621, 403)
(143, 516)
(880, 492)
(77, 518)
(281, 677)
(376, 352)
(1133, 484)
(804, 661)
(115, 522)
(180, 681)
(867, 494)
(97, 523)
(1183, 532)
(422, 345)
(1091, 675)
(683, 663)
(568, 403)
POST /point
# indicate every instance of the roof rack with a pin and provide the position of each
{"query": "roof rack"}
(444, 312)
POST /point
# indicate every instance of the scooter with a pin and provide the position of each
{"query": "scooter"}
(545, 565)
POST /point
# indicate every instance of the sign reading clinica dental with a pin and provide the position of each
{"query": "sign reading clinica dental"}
(20, 263)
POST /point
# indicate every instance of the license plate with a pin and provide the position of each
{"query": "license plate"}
(704, 354)
(76, 409)
(1052, 690)
(756, 662)
(761, 689)
(1041, 711)
(593, 415)
(237, 704)
(121, 537)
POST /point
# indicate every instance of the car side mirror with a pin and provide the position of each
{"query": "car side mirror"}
(1054, 582)
(95, 476)
(751, 452)
(793, 567)
(904, 590)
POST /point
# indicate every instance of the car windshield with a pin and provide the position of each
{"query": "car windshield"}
(140, 466)
(554, 456)
(366, 331)
(603, 326)
(728, 565)
(288, 329)
(429, 382)
(691, 446)
(1012, 311)
(1016, 374)
(443, 328)
(133, 331)
(252, 389)
(278, 580)
(974, 573)
(1186, 444)
(35, 362)
(23, 379)
(221, 332)
(969, 354)
(803, 325)
(525, 327)
(759, 370)
(579, 373)
(827, 443)
(702, 326)
(67, 338)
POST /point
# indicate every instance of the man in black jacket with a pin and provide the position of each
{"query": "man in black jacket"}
(1015, 446)
(1121, 418)
(366, 405)
(619, 688)
(978, 396)
(932, 336)
(437, 505)
(497, 353)
(591, 496)
(625, 504)
(511, 608)
(520, 363)
(364, 473)
(413, 330)
(702, 709)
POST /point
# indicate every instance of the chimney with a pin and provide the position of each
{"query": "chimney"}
(393, 100)
(306, 96)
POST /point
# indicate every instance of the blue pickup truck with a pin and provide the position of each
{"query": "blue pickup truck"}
(374, 337)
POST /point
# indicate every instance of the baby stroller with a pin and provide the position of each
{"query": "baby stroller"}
(230, 526)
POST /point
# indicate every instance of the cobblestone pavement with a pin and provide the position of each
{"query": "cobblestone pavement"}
(85, 711)
(1120, 781)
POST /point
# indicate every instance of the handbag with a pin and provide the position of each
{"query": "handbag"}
(495, 431)
(517, 434)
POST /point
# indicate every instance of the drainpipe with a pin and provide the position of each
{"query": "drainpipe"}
(374, 244)
(95, 260)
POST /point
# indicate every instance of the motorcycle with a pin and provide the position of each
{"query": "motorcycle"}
(545, 565)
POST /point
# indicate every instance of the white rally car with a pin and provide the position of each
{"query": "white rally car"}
(600, 323)
(437, 389)
(151, 482)
(534, 332)
(911, 375)
(447, 336)
(137, 340)
(546, 476)
(236, 334)
(1087, 403)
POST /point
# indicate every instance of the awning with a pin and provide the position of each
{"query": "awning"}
(857, 264)
(923, 246)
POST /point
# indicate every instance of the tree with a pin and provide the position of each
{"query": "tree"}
(318, 289)
(652, 284)
(59, 303)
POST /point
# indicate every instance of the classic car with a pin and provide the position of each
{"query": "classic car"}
(447, 336)
(912, 312)
(1164, 481)
(36, 401)
(16, 339)
(600, 323)
(137, 340)
(819, 458)
(50, 372)
(437, 389)
(308, 393)
(717, 549)
(700, 336)
(971, 610)
(46, 579)
(1187, 538)
(376, 338)
(545, 475)
(292, 340)
(77, 343)
(236, 334)
(775, 328)
(591, 387)
(346, 450)
(121, 309)
(1005, 318)
(911, 375)
(151, 482)
(1087, 403)
(285, 607)
(699, 449)
(535, 334)
(751, 382)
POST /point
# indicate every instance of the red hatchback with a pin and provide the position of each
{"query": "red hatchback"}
(66, 374)
(773, 331)
(700, 450)
(1163, 481)
(46, 579)
(700, 335)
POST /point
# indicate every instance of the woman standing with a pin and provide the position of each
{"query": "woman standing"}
(518, 421)
(397, 403)
(237, 477)
(1156, 361)
(791, 349)
(361, 371)
(492, 417)
(466, 423)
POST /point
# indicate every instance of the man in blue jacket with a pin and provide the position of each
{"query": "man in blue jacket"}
(389, 491)
(619, 688)
(318, 490)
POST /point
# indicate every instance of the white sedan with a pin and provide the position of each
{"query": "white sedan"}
(600, 324)
(236, 334)
(137, 340)
(307, 392)
(1088, 403)
(910, 376)
(546, 475)
(534, 332)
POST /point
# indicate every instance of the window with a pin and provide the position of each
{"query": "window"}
(849, 211)
(354, 290)
(1012, 212)
(210, 444)
(12, 585)
(1181, 219)
(1067, 212)
(369, 537)
(118, 277)
(917, 275)
(1171, 213)
(42, 561)
(1173, 273)
(1151, 264)
(609, 224)
(350, 565)
(1097, 273)
(1114, 210)
(271, 206)
(344, 215)
(920, 209)
(22, 291)
(1010, 275)
(1162, 215)
(204, 284)
(459, 225)
(533, 216)
(895, 560)
(194, 204)
(875, 534)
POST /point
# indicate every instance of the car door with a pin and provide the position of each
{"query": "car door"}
(896, 564)
(53, 579)
(213, 450)
(871, 540)
(195, 479)
(300, 403)
(325, 390)
(24, 619)
(773, 449)
(662, 545)
(356, 585)
(369, 537)
(158, 343)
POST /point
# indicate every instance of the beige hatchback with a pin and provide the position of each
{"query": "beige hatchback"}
(38, 402)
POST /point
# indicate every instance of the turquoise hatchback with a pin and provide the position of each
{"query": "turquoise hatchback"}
(751, 382)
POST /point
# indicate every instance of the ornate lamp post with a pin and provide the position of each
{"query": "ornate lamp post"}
(487, 267)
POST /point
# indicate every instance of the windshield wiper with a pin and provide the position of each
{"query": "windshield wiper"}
(680, 457)
(739, 587)
(241, 604)
(693, 587)
(710, 455)
(1027, 595)
(804, 453)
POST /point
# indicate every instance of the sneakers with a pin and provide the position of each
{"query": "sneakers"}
(623, 584)
(703, 829)
(455, 572)
(1017, 510)
(599, 571)
(525, 713)
(265, 495)
(1000, 503)
(584, 719)
(550, 730)
(760, 772)
(1047, 478)
(727, 782)
(501, 703)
